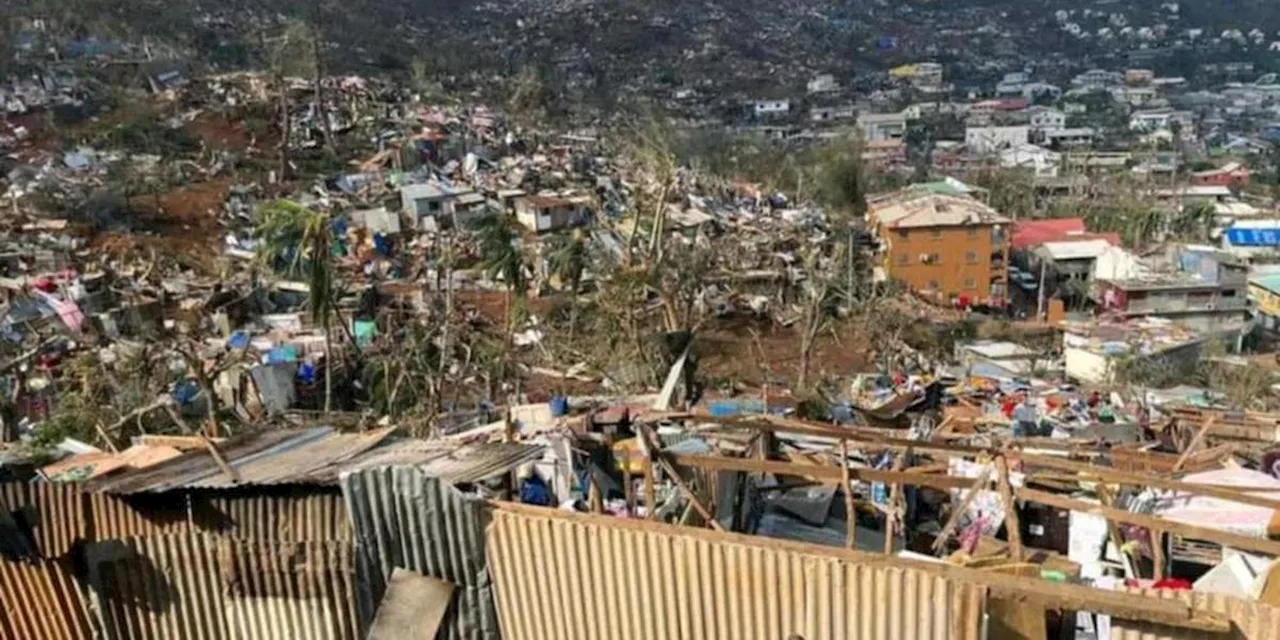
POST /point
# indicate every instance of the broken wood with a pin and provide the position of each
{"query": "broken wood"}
(221, 461)
(896, 507)
(690, 495)
(954, 521)
(1268, 547)
(827, 474)
(1233, 494)
(1011, 523)
(1195, 442)
(106, 438)
(1114, 535)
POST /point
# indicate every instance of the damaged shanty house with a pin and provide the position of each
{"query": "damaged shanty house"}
(285, 534)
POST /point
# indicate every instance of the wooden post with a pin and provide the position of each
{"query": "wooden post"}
(896, 510)
(1114, 535)
(1157, 555)
(851, 514)
(1012, 525)
(650, 491)
(628, 485)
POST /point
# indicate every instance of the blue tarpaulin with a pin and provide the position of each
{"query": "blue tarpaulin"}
(1253, 237)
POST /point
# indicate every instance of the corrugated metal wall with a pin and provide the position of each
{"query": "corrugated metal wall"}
(54, 512)
(113, 517)
(575, 578)
(287, 518)
(269, 564)
(42, 601)
(290, 590)
(1250, 620)
(403, 517)
(161, 587)
(203, 587)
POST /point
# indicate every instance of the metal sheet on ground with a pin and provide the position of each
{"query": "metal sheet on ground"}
(413, 607)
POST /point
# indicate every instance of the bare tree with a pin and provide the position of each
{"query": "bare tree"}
(820, 295)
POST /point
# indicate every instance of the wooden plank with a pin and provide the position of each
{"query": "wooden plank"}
(414, 606)
(690, 495)
(1195, 443)
(1269, 547)
(828, 475)
(1147, 480)
(954, 521)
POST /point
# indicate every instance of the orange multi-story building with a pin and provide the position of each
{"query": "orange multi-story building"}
(951, 245)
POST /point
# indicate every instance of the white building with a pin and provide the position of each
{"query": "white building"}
(1043, 162)
(830, 114)
(446, 205)
(1135, 96)
(825, 83)
(1097, 79)
(1155, 119)
(763, 108)
(878, 127)
(1072, 137)
(993, 139)
(1045, 119)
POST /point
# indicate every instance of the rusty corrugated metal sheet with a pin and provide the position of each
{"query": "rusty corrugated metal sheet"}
(55, 512)
(42, 601)
(287, 518)
(113, 517)
(1250, 620)
(449, 461)
(575, 578)
(203, 587)
(195, 466)
(404, 517)
(158, 588)
(290, 591)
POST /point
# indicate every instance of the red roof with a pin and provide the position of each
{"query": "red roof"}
(1031, 233)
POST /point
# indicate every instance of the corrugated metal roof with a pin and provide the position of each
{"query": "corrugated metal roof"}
(450, 462)
(557, 576)
(307, 456)
(405, 517)
(194, 466)
(100, 463)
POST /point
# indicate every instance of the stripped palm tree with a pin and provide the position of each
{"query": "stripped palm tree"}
(502, 258)
(298, 242)
(568, 262)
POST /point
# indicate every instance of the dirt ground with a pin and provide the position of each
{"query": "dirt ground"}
(219, 132)
(181, 223)
(733, 354)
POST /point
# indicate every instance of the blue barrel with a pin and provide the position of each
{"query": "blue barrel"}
(559, 406)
